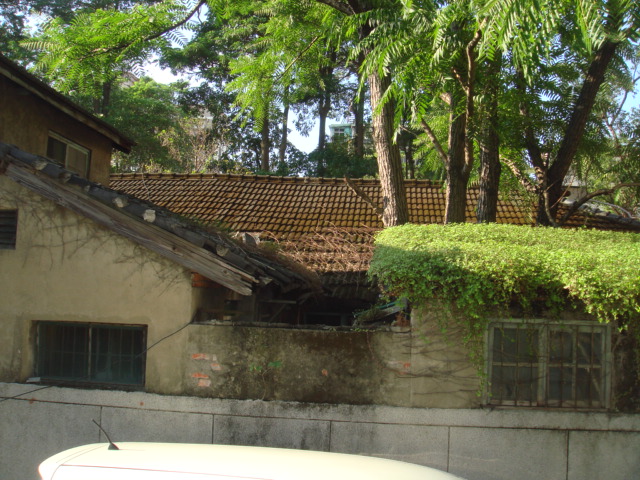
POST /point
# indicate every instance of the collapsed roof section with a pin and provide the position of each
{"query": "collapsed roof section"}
(210, 253)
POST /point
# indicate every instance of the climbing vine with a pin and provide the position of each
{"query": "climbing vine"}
(479, 269)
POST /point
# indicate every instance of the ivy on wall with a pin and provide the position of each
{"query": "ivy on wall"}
(481, 268)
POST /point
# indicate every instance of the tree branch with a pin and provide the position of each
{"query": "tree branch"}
(436, 144)
(339, 5)
(122, 46)
(581, 110)
(605, 191)
(470, 101)
(363, 196)
(528, 185)
(531, 142)
(299, 56)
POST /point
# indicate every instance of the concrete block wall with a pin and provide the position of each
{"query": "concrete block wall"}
(473, 443)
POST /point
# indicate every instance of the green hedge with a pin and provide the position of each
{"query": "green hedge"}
(484, 267)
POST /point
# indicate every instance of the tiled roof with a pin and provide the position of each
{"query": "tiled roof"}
(319, 222)
(290, 207)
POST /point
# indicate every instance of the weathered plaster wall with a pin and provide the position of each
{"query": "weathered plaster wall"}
(406, 367)
(67, 268)
(476, 444)
(25, 121)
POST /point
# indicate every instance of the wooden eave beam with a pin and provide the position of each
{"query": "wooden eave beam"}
(154, 238)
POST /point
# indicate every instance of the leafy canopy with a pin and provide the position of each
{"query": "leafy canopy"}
(483, 267)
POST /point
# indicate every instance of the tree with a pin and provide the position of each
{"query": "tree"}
(274, 74)
(517, 80)
(433, 49)
(90, 52)
(594, 32)
(207, 55)
(143, 110)
(394, 208)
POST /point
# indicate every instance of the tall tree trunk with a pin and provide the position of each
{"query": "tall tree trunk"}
(101, 105)
(457, 175)
(324, 106)
(265, 144)
(490, 167)
(358, 113)
(324, 102)
(394, 200)
(461, 134)
(574, 133)
(285, 130)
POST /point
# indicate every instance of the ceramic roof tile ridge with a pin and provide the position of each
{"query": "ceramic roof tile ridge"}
(276, 179)
(589, 211)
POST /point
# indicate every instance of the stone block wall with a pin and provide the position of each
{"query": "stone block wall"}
(476, 444)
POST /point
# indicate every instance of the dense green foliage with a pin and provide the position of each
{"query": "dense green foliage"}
(486, 268)
(534, 91)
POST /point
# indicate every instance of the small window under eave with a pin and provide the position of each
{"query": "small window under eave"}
(69, 154)
(8, 229)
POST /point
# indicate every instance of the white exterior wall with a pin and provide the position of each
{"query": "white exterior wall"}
(473, 443)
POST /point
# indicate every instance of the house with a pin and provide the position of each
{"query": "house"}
(341, 131)
(40, 120)
(115, 307)
(96, 292)
(92, 279)
(327, 224)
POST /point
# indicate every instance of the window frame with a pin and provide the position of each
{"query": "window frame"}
(92, 354)
(70, 144)
(542, 397)
(8, 228)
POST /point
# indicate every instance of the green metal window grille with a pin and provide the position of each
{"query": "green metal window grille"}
(548, 365)
(91, 353)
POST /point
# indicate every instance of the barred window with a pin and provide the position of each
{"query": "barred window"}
(8, 229)
(550, 365)
(91, 353)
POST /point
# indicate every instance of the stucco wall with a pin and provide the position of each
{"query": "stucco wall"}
(25, 121)
(67, 268)
(400, 367)
(475, 444)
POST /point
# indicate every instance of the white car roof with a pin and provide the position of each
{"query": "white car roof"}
(160, 461)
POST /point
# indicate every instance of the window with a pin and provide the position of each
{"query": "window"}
(8, 229)
(91, 353)
(551, 365)
(340, 133)
(68, 154)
